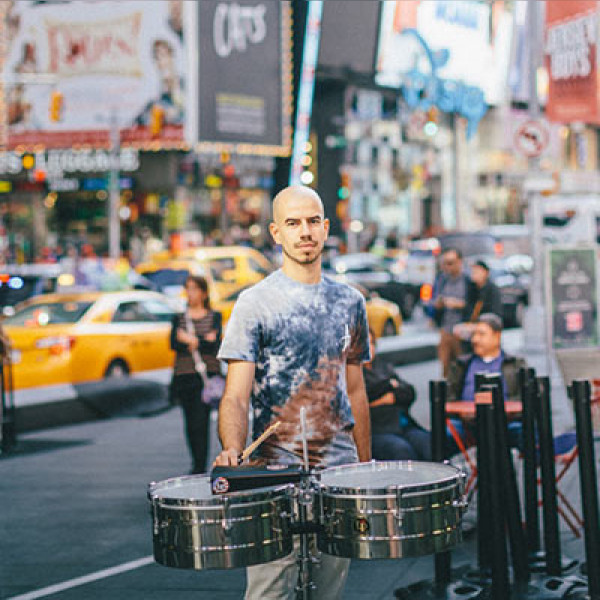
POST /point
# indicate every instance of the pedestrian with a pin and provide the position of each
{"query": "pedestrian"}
(297, 340)
(486, 299)
(449, 305)
(395, 435)
(195, 337)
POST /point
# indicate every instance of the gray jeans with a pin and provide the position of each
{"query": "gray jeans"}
(277, 580)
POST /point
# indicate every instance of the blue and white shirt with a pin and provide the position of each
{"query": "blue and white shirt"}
(300, 337)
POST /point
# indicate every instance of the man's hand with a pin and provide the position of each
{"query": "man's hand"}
(228, 458)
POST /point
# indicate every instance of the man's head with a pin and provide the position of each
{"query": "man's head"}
(452, 262)
(299, 224)
(480, 273)
(487, 336)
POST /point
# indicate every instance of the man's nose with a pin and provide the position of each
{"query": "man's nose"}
(304, 228)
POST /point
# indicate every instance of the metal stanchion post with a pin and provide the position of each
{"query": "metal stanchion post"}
(437, 399)
(550, 504)
(484, 515)
(500, 579)
(589, 485)
(528, 392)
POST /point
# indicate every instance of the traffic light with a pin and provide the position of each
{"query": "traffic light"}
(309, 162)
(432, 119)
(343, 192)
(28, 161)
(157, 118)
(56, 106)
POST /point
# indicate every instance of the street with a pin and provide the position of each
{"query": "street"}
(75, 515)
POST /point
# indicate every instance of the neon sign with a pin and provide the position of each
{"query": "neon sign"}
(423, 91)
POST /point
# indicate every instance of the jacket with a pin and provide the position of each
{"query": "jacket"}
(510, 374)
(437, 314)
(489, 296)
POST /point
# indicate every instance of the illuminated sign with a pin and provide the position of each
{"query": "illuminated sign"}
(424, 90)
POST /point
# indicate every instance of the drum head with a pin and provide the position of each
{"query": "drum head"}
(386, 476)
(196, 490)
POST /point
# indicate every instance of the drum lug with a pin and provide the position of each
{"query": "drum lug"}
(461, 504)
(156, 528)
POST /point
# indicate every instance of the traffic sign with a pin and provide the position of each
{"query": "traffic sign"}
(531, 138)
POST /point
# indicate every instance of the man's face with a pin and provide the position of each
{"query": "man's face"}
(485, 341)
(479, 275)
(451, 263)
(301, 229)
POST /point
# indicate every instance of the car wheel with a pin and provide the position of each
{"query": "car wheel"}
(408, 305)
(116, 369)
(389, 328)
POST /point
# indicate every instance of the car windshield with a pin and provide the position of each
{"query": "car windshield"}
(48, 313)
(17, 288)
(167, 277)
(469, 244)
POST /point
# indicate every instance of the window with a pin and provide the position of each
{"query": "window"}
(131, 312)
(41, 314)
(256, 268)
(158, 311)
(219, 266)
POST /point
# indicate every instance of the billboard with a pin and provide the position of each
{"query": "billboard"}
(240, 92)
(71, 67)
(570, 50)
(572, 291)
(460, 29)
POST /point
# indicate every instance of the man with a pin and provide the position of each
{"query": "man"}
(487, 357)
(485, 298)
(297, 339)
(395, 435)
(449, 306)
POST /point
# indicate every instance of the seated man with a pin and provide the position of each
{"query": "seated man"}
(395, 435)
(487, 357)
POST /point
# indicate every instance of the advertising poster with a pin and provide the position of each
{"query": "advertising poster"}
(241, 96)
(71, 67)
(572, 289)
(570, 49)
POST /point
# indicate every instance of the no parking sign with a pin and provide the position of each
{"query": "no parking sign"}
(531, 138)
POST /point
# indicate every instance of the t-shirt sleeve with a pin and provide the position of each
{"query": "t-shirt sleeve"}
(241, 339)
(359, 346)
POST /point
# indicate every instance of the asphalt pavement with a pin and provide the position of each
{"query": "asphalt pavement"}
(75, 520)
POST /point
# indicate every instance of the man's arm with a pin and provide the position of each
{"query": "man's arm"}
(233, 411)
(360, 410)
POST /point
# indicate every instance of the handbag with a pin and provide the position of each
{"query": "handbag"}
(213, 385)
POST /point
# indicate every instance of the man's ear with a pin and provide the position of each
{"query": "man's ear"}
(326, 227)
(274, 231)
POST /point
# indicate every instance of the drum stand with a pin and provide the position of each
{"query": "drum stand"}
(305, 584)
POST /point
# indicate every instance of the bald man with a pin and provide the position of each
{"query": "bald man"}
(297, 339)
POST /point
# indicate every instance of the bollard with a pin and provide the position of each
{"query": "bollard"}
(589, 486)
(484, 515)
(510, 490)
(499, 558)
(548, 471)
(528, 391)
(437, 399)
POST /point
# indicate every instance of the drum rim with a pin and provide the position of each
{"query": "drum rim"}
(443, 482)
(230, 498)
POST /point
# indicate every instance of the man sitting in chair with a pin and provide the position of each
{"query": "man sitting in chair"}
(487, 357)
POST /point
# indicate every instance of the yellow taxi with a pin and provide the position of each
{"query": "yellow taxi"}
(229, 267)
(73, 338)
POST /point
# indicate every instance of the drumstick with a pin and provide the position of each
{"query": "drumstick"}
(258, 441)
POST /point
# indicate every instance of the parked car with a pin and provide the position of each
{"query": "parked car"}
(73, 338)
(371, 272)
(230, 267)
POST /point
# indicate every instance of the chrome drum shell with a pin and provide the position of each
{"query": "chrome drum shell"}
(389, 509)
(193, 529)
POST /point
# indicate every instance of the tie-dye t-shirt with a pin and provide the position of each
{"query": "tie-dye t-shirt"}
(300, 337)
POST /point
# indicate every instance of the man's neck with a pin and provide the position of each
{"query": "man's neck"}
(303, 273)
(490, 356)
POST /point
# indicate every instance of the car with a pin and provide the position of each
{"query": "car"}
(513, 285)
(384, 316)
(230, 267)
(20, 282)
(371, 272)
(79, 337)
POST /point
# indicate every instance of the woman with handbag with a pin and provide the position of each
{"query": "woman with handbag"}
(195, 337)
